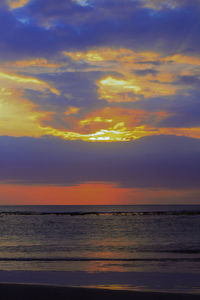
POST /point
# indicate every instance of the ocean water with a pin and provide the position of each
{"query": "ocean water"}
(101, 239)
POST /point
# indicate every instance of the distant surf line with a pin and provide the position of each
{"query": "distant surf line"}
(57, 259)
(143, 213)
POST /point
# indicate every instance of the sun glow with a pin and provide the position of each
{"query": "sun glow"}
(103, 135)
(18, 116)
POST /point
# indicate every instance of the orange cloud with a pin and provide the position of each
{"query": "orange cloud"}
(159, 4)
(10, 80)
(183, 59)
(13, 4)
(111, 89)
(130, 86)
(127, 89)
(38, 62)
(189, 132)
(72, 110)
(111, 124)
(112, 55)
(158, 78)
(20, 117)
(118, 117)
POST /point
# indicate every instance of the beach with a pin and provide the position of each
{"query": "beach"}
(29, 292)
(178, 283)
(138, 252)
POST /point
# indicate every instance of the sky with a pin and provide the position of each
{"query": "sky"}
(99, 102)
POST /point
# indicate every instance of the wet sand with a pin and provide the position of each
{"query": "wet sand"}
(42, 292)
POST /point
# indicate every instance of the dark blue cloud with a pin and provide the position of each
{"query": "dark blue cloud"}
(189, 80)
(23, 40)
(160, 162)
(44, 28)
(77, 88)
(124, 22)
(146, 72)
(81, 85)
(182, 110)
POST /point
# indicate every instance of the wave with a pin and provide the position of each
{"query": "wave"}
(121, 213)
(181, 251)
(70, 259)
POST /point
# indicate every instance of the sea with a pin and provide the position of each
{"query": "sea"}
(148, 247)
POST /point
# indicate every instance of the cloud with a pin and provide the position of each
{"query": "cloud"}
(117, 124)
(140, 74)
(82, 90)
(183, 111)
(46, 26)
(19, 116)
(188, 80)
(36, 62)
(151, 162)
(24, 39)
(83, 64)
(13, 4)
(18, 81)
(168, 4)
(146, 72)
(72, 110)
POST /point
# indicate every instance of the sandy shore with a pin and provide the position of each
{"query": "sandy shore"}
(29, 291)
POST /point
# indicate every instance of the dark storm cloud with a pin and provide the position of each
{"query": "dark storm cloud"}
(162, 161)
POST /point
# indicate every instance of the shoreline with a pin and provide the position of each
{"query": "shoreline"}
(15, 291)
(183, 283)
